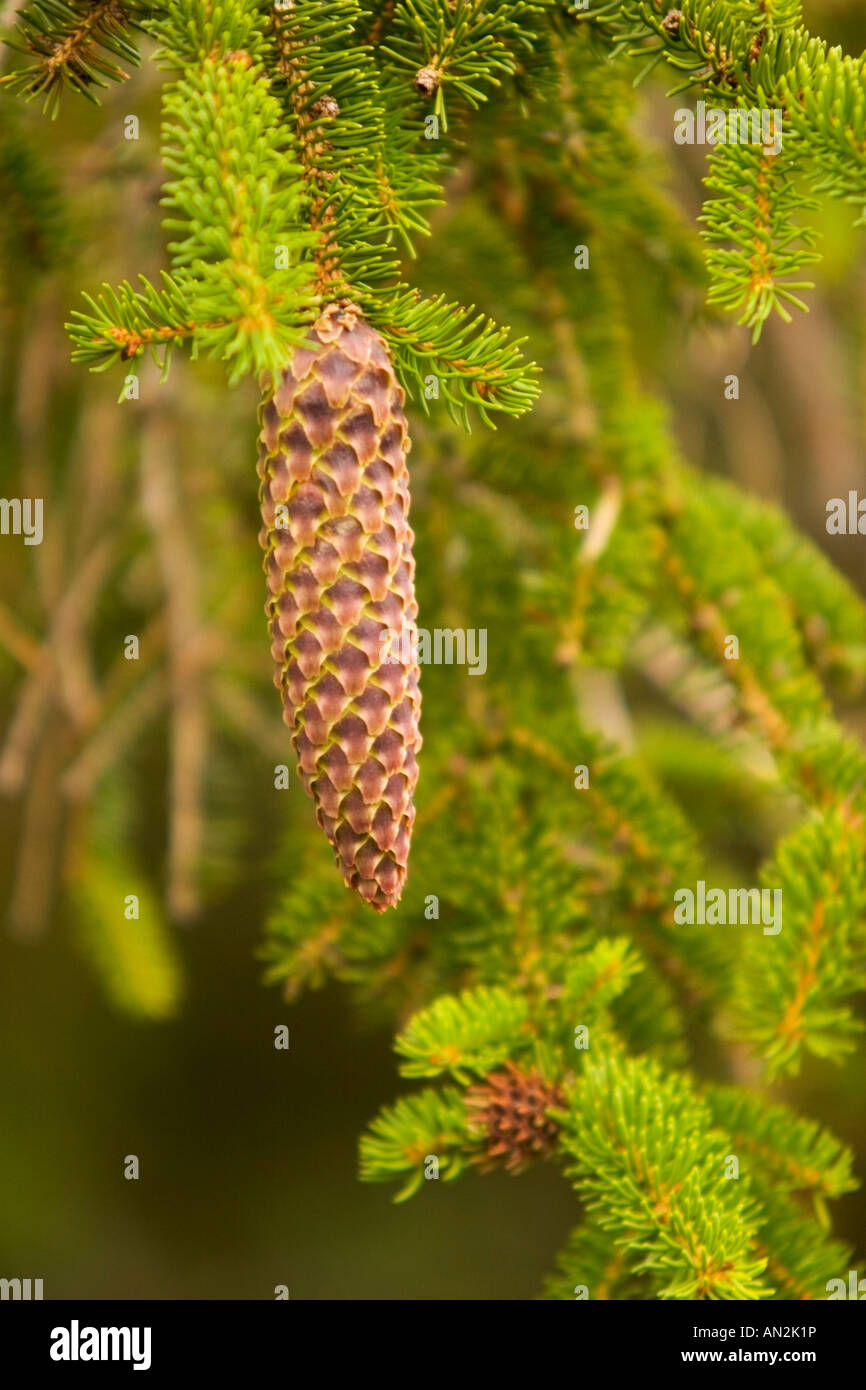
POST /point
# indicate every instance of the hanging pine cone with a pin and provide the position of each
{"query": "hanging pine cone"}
(340, 571)
(509, 1111)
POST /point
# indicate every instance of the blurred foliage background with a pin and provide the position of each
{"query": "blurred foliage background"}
(156, 776)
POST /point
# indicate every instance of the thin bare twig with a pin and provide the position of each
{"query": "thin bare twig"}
(168, 516)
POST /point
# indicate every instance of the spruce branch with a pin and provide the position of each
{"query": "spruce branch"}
(792, 1153)
(466, 46)
(801, 1257)
(644, 834)
(367, 177)
(650, 1166)
(828, 612)
(755, 245)
(308, 204)
(757, 56)
(239, 289)
(826, 99)
(795, 989)
(123, 323)
(328, 88)
(472, 359)
(234, 203)
(430, 1123)
(778, 693)
(589, 1262)
(777, 14)
(473, 1033)
(410, 170)
(595, 979)
(728, 50)
(74, 44)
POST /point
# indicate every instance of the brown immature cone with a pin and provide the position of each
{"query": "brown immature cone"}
(509, 1110)
(340, 571)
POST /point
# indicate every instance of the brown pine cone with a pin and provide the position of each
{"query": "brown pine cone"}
(509, 1111)
(340, 571)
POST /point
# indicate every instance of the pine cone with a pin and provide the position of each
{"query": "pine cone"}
(340, 571)
(510, 1113)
